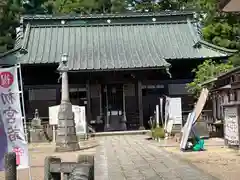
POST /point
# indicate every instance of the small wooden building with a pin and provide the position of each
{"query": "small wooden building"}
(118, 63)
(225, 96)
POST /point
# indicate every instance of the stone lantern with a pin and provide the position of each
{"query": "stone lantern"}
(66, 138)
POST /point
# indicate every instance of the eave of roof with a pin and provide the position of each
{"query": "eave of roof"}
(215, 47)
(2, 55)
(225, 87)
(106, 16)
(182, 35)
(120, 42)
(232, 71)
(208, 81)
(221, 76)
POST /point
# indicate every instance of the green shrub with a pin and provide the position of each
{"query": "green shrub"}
(158, 133)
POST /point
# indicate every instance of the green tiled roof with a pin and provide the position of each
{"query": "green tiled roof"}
(115, 45)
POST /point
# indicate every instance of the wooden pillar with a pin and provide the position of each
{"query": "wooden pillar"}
(89, 115)
(106, 123)
(214, 106)
(140, 105)
(100, 101)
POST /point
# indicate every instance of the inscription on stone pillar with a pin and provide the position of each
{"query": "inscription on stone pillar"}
(231, 125)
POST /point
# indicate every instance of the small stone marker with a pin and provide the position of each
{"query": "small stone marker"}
(80, 170)
(10, 166)
(47, 174)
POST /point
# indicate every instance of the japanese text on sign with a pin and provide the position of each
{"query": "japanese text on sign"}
(12, 121)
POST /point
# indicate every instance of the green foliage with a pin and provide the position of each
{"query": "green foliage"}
(206, 71)
(151, 6)
(222, 29)
(118, 6)
(9, 16)
(235, 59)
(223, 34)
(84, 6)
(158, 133)
(34, 6)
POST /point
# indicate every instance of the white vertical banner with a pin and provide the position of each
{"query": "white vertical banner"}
(11, 117)
(167, 104)
(161, 110)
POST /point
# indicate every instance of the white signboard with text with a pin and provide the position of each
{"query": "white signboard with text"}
(231, 126)
(79, 117)
(175, 110)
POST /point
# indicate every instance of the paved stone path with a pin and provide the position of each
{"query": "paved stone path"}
(135, 158)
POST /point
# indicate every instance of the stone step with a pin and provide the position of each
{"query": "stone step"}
(112, 133)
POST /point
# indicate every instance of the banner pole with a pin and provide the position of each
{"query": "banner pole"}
(23, 105)
(24, 118)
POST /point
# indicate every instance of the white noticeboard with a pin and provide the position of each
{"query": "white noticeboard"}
(231, 126)
(53, 115)
(175, 110)
(79, 117)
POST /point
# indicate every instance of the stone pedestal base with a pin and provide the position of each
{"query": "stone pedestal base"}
(37, 135)
(66, 139)
(123, 125)
(141, 128)
(67, 147)
(107, 127)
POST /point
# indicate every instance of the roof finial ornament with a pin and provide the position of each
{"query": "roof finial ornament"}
(168, 72)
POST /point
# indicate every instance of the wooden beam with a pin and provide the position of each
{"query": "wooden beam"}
(140, 104)
(89, 113)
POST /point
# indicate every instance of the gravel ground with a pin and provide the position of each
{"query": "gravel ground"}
(37, 156)
(220, 162)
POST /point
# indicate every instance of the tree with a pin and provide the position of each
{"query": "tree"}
(206, 71)
(9, 20)
(163, 5)
(34, 6)
(118, 6)
(222, 29)
(84, 6)
(70, 6)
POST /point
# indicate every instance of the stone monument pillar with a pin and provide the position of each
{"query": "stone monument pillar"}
(36, 121)
(66, 139)
(36, 131)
